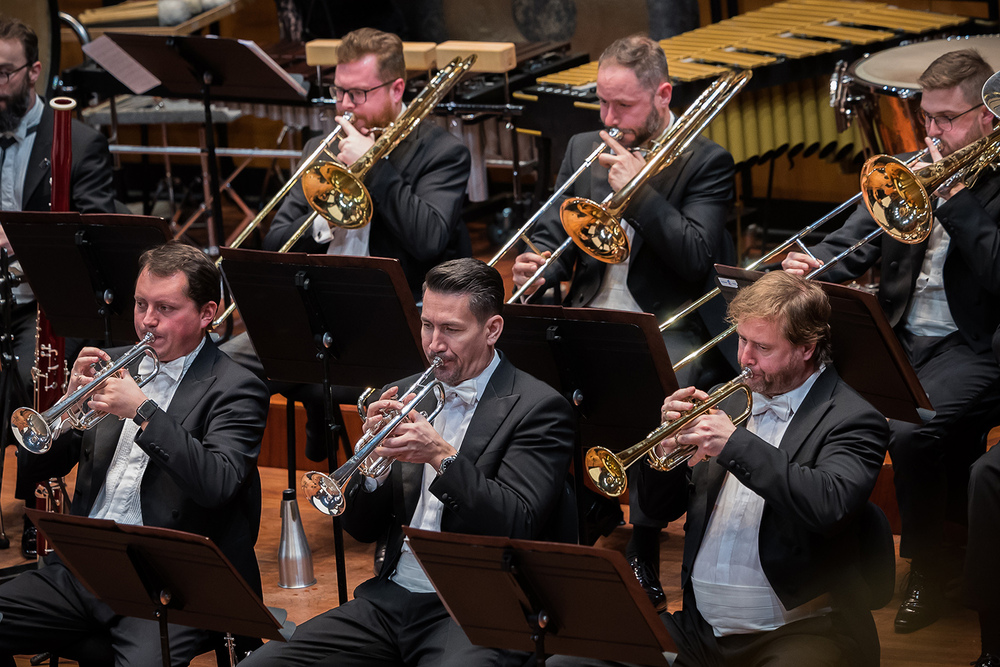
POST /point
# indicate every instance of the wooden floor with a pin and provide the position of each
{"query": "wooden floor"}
(951, 641)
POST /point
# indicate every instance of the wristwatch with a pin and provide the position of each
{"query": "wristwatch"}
(445, 462)
(145, 412)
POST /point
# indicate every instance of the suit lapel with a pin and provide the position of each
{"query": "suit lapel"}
(410, 482)
(816, 403)
(497, 402)
(39, 164)
(194, 384)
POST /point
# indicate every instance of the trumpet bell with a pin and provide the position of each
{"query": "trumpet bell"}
(337, 195)
(606, 472)
(594, 230)
(323, 493)
(31, 430)
(896, 199)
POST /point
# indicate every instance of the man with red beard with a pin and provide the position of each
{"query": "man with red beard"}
(26, 122)
(941, 297)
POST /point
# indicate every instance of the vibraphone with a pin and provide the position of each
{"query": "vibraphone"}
(792, 47)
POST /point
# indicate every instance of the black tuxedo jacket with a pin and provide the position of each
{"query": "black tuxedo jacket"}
(971, 269)
(202, 471)
(417, 194)
(814, 486)
(509, 478)
(680, 222)
(91, 188)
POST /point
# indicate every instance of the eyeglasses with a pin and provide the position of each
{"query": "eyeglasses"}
(944, 123)
(357, 95)
(6, 74)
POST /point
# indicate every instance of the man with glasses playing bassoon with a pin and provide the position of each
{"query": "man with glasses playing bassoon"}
(943, 299)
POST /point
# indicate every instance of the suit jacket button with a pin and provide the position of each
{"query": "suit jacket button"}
(893, 265)
(445, 497)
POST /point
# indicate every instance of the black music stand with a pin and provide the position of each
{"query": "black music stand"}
(159, 575)
(204, 68)
(866, 352)
(611, 365)
(327, 319)
(92, 293)
(543, 597)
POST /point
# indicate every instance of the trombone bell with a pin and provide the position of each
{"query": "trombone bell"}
(594, 230)
(337, 195)
(896, 199)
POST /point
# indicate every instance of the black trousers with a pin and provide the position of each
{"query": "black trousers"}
(50, 610)
(930, 460)
(383, 625)
(982, 578)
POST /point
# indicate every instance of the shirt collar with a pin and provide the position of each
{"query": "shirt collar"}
(483, 378)
(175, 369)
(30, 120)
(797, 395)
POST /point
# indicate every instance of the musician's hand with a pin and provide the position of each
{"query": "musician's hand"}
(387, 402)
(416, 441)
(119, 395)
(525, 266)
(709, 432)
(83, 371)
(5, 244)
(800, 263)
(943, 192)
(622, 166)
(354, 143)
(674, 406)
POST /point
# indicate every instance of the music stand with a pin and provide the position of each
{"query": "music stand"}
(204, 68)
(329, 320)
(543, 597)
(92, 293)
(159, 575)
(866, 352)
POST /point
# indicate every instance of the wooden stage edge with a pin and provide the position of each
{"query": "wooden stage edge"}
(953, 640)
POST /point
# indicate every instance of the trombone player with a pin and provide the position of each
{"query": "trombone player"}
(941, 297)
(182, 454)
(676, 226)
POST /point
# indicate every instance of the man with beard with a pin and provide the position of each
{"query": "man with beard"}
(676, 224)
(493, 462)
(26, 123)
(417, 194)
(774, 569)
(941, 297)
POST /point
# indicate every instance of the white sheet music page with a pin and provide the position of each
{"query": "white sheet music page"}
(121, 65)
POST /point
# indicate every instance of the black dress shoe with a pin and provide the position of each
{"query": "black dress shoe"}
(650, 583)
(29, 540)
(921, 604)
(987, 660)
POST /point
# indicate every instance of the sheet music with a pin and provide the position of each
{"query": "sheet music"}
(267, 60)
(121, 65)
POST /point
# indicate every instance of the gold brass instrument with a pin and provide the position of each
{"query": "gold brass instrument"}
(522, 233)
(34, 430)
(337, 192)
(596, 228)
(794, 240)
(606, 470)
(326, 492)
(321, 150)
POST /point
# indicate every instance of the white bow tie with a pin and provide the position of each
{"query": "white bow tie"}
(779, 405)
(464, 392)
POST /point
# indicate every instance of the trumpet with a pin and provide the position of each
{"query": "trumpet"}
(326, 492)
(596, 228)
(34, 430)
(606, 470)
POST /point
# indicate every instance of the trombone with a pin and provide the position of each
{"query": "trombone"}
(606, 470)
(326, 492)
(899, 199)
(596, 228)
(34, 430)
(522, 233)
(336, 192)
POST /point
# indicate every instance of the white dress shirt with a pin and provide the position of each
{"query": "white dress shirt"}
(452, 423)
(119, 498)
(929, 313)
(731, 589)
